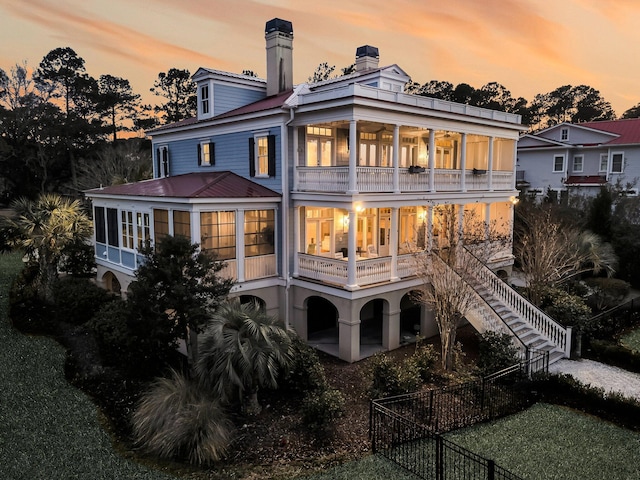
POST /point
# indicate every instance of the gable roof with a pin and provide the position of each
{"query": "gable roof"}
(190, 185)
(628, 130)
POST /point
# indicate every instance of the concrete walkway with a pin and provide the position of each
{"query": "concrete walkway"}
(611, 379)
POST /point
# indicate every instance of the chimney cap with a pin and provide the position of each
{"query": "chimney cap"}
(367, 51)
(279, 25)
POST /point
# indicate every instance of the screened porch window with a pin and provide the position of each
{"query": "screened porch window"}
(218, 234)
(259, 228)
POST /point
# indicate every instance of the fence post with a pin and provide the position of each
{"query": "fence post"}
(439, 458)
(491, 470)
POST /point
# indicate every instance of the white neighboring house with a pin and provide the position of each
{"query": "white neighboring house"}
(317, 196)
(577, 159)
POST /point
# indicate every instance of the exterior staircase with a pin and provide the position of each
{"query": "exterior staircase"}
(499, 307)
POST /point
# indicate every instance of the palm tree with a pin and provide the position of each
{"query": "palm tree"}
(242, 350)
(43, 228)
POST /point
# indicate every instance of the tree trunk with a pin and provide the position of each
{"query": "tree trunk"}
(250, 404)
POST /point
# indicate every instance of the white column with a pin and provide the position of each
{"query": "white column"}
(515, 159)
(296, 240)
(296, 159)
(463, 162)
(240, 245)
(353, 156)
(390, 329)
(393, 243)
(429, 236)
(396, 159)
(490, 164)
(351, 262)
(432, 160)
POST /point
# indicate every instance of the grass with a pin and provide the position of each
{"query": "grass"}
(48, 429)
(631, 340)
(371, 466)
(548, 442)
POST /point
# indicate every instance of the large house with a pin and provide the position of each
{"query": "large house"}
(578, 159)
(318, 196)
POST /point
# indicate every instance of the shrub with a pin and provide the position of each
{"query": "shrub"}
(78, 259)
(614, 354)
(425, 360)
(78, 300)
(321, 409)
(28, 312)
(305, 374)
(389, 378)
(568, 309)
(175, 419)
(495, 352)
(607, 292)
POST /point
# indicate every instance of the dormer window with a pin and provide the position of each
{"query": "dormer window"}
(564, 134)
(204, 100)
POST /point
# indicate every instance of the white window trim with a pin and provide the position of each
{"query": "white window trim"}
(564, 163)
(564, 137)
(256, 150)
(621, 163)
(201, 113)
(573, 166)
(604, 156)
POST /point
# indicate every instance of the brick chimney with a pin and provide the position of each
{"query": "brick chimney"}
(367, 58)
(279, 37)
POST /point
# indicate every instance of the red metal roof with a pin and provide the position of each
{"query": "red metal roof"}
(191, 185)
(268, 103)
(586, 180)
(628, 129)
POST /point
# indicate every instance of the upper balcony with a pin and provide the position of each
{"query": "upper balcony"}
(398, 159)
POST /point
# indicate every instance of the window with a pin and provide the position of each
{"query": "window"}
(181, 224)
(259, 228)
(578, 161)
(206, 154)
(98, 220)
(127, 229)
(564, 134)
(262, 156)
(112, 227)
(558, 163)
(604, 162)
(218, 234)
(617, 162)
(162, 161)
(368, 149)
(143, 229)
(319, 147)
(160, 225)
(204, 99)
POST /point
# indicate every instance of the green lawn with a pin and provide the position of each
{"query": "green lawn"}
(632, 340)
(548, 442)
(48, 429)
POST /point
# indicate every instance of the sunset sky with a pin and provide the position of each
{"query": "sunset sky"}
(529, 46)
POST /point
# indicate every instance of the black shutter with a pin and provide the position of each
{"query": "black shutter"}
(165, 162)
(158, 162)
(199, 155)
(252, 157)
(212, 153)
(272, 155)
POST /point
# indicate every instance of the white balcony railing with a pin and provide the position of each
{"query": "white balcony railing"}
(369, 271)
(380, 179)
(254, 268)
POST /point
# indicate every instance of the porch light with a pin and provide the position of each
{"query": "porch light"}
(345, 223)
(514, 200)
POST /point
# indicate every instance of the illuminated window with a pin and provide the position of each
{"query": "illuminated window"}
(218, 234)
(319, 147)
(160, 225)
(262, 155)
(127, 229)
(259, 232)
(206, 154)
(181, 224)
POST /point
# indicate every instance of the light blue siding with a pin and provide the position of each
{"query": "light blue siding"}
(129, 259)
(231, 154)
(227, 98)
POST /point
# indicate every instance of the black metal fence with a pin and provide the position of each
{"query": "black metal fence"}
(406, 428)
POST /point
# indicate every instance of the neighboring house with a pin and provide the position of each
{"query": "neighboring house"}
(577, 159)
(316, 196)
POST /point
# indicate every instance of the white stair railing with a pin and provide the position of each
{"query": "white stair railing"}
(529, 313)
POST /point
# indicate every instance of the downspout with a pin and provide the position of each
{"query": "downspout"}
(285, 216)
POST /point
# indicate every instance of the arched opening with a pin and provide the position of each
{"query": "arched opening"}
(322, 321)
(503, 275)
(111, 283)
(371, 318)
(410, 312)
(253, 299)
